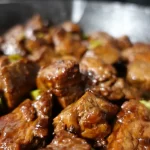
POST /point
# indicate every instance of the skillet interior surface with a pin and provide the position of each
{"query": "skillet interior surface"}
(114, 18)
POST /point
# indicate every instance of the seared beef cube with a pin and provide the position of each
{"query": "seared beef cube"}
(63, 78)
(17, 79)
(138, 74)
(68, 44)
(132, 129)
(87, 117)
(67, 141)
(11, 47)
(123, 42)
(33, 45)
(12, 41)
(68, 95)
(27, 126)
(139, 51)
(60, 74)
(96, 70)
(107, 53)
(35, 23)
(115, 90)
(4, 60)
(43, 56)
(15, 32)
(71, 27)
(102, 38)
(102, 80)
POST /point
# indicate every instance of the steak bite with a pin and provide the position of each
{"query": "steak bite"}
(12, 41)
(102, 38)
(67, 141)
(33, 24)
(59, 74)
(43, 56)
(69, 26)
(68, 44)
(4, 60)
(138, 75)
(139, 51)
(64, 79)
(26, 127)
(138, 58)
(102, 80)
(124, 42)
(132, 129)
(88, 117)
(106, 53)
(17, 79)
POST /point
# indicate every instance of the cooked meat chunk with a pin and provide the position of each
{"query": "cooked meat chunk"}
(15, 32)
(68, 44)
(35, 23)
(102, 80)
(96, 69)
(87, 117)
(139, 51)
(17, 79)
(64, 79)
(71, 27)
(59, 74)
(103, 38)
(4, 60)
(138, 74)
(123, 42)
(107, 53)
(43, 56)
(12, 41)
(27, 126)
(33, 45)
(69, 94)
(67, 141)
(132, 129)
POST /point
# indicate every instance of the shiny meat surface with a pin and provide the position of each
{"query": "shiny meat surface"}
(68, 44)
(124, 42)
(102, 80)
(88, 117)
(33, 24)
(58, 74)
(107, 53)
(4, 60)
(44, 56)
(132, 129)
(17, 79)
(139, 51)
(64, 79)
(71, 27)
(27, 126)
(67, 141)
(139, 74)
(104, 38)
(12, 41)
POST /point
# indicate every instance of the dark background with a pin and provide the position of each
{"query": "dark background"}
(140, 2)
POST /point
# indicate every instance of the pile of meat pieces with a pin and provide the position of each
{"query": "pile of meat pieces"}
(89, 87)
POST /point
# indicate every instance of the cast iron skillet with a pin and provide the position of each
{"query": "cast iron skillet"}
(114, 18)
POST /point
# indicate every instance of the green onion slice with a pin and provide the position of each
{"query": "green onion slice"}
(35, 94)
(145, 103)
(15, 57)
(94, 44)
